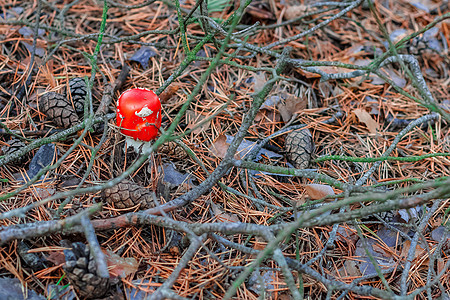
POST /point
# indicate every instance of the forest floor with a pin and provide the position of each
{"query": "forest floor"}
(355, 97)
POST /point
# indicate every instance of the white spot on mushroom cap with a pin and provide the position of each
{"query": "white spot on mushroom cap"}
(144, 112)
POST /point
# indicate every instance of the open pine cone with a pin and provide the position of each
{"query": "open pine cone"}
(127, 194)
(81, 271)
(58, 109)
(77, 90)
(299, 147)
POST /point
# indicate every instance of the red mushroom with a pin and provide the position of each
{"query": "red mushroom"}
(139, 114)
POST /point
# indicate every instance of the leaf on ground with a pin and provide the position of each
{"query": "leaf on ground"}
(295, 11)
(140, 289)
(366, 118)
(193, 119)
(56, 257)
(308, 74)
(44, 193)
(440, 265)
(222, 216)
(247, 145)
(271, 102)
(12, 288)
(268, 115)
(418, 254)
(347, 234)
(168, 93)
(365, 264)
(441, 233)
(291, 105)
(29, 32)
(12, 13)
(120, 266)
(259, 116)
(264, 281)
(220, 146)
(174, 177)
(425, 5)
(350, 269)
(357, 50)
(143, 55)
(332, 70)
(38, 50)
(318, 191)
(399, 81)
(398, 34)
(260, 80)
(389, 237)
(300, 200)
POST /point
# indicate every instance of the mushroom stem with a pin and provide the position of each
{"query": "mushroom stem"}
(138, 146)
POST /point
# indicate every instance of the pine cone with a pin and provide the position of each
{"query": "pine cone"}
(82, 273)
(15, 145)
(58, 109)
(172, 150)
(299, 147)
(78, 91)
(127, 194)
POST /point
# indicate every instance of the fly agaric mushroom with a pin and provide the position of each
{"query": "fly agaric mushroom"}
(138, 116)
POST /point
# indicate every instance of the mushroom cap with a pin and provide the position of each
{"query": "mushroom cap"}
(139, 114)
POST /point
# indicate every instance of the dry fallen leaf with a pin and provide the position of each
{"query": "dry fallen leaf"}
(56, 257)
(420, 253)
(318, 191)
(260, 80)
(44, 193)
(295, 11)
(308, 74)
(291, 105)
(168, 93)
(120, 266)
(220, 146)
(222, 216)
(401, 82)
(259, 116)
(347, 234)
(332, 70)
(350, 269)
(440, 265)
(364, 117)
